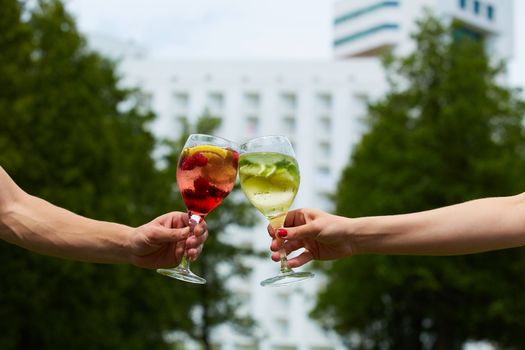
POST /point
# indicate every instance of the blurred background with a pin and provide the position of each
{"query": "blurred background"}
(392, 106)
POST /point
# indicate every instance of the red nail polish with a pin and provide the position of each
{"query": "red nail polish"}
(282, 232)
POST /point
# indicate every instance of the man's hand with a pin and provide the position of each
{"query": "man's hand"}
(162, 242)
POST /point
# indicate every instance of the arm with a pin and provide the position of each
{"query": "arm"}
(42, 227)
(470, 227)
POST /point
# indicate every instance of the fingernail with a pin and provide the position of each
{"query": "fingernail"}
(282, 232)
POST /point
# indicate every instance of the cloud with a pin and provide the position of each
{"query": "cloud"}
(214, 28)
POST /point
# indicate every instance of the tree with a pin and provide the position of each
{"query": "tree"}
(446, 132)
(222, 260)
(66, 136)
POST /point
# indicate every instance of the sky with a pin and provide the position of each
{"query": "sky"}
(234, 29)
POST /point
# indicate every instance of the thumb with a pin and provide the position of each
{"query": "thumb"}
(161, 234)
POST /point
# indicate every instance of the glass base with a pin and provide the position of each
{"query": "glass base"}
(182, 274)
(286, 278)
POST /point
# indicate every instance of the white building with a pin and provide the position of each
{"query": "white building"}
(365, 28)
(318, 105)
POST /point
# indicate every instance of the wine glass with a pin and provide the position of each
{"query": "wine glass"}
(206, 174)
(270, 179)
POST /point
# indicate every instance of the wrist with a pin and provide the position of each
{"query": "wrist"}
(352, 236)
(10, 228)
(343, 234)
(6, 212)
(361, 236)
(126, 250)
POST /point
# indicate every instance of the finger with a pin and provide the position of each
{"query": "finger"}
(275, 245)
(276, 254)
(193, 241)
(289, 246)
(180, 248)
(306, 231)
(174, 219)
(271, 230)
(295, 217)
(200, 229)
(194, 253)
(301, 259)
(160, 234)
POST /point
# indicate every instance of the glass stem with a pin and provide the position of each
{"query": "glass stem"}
(278, 222)
(185, 263)
(284, 260)
(192, 222)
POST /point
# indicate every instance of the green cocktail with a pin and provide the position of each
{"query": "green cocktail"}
(270, 181)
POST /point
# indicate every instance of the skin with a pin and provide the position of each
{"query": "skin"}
(37, 225)
(471, 227)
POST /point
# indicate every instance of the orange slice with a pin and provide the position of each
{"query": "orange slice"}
(221, 152)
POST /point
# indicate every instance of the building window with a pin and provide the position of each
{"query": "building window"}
(289, 123)
(323, 171)
(362, 98)
(464, 32)
(324, 101)
(181, 121)
(284, 348)
(181, 100)
(463, 4)
(283, 326)
(245, 347)
(490, 12)
(325, 124)
(323, 179)
(283, 300)
(251, 101)
(215, 101)
(252, 125)
(477, 7)
(324, 149)
(289, 101)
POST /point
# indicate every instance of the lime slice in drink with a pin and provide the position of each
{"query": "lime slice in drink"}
(283, 177)
(269, 169)
(258, 169)
(252, 169)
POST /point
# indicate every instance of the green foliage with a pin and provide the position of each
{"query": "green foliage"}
(70, 135)
(446, 132)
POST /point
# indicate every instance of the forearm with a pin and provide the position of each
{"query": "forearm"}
(37, 225)
(470, 227)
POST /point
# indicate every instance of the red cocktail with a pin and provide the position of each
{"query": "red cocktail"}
(206, 174)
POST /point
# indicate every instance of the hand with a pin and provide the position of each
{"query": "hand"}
(321, 234)
(162, 242)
